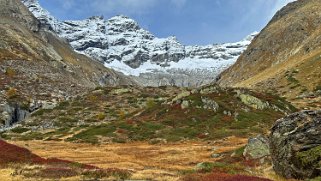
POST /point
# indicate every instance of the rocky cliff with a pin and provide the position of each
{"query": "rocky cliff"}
(285, 57)
(120, 43)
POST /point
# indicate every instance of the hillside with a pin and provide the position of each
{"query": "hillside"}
(166, 114)
(285, 57)
(123, 45)
(37, 67)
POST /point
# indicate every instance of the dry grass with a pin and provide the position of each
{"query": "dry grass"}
(157, 162)
(6, 174)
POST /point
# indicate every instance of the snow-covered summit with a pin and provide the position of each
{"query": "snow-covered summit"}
(120, 43)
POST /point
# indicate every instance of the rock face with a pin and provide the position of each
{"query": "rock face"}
(120, 43)
(11, 114)
(295, 144)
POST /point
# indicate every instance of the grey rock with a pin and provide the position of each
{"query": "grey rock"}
(253, 102)
(157, 141)
(295, 135)
(257, 148)
(216, 155)
(185, 104)
(209, 104)
(12, 114)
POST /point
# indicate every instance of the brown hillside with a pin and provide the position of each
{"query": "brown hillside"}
(35, 62)
(285, 57)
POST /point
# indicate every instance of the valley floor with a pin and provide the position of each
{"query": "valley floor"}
(157, 162)
(147, 162)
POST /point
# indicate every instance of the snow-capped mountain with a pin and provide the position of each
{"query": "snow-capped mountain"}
(120, 43)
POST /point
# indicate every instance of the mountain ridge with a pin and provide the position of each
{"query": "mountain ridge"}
(120, 43)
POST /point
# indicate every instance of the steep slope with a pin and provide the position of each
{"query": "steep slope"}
(36, 65)
(285, 56)
(123, 45)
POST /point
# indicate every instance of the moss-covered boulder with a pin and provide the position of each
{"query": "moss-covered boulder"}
(253, 102)
(295, 144)
(257, 148)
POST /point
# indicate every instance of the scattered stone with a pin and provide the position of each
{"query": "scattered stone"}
(209, 90)
(157, 141)
(120, 91)
(210, 104)
(216, 155)
(185, 105)
(181, 96)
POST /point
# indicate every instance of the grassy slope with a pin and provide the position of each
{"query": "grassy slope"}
(144, 114)
(285, 57)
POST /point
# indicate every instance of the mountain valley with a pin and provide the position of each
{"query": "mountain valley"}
(104, 99)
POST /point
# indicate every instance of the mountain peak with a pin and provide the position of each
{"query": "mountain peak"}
(96, 17)
(122, 23)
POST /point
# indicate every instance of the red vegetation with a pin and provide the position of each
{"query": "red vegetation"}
(10, 153)
(121, 131)
(227, 118)
(177, 107)
(202, 136)
(54, 168)
(13, 154)
(222, 177)
(130, 122)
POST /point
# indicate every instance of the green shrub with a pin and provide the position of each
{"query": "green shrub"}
(62, 105)
(310, 157)
(317, 88)
(19, 130)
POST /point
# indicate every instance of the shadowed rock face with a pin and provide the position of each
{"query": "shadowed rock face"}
(295, 144)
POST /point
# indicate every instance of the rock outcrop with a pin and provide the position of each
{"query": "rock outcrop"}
(12, 114)
(295, 144)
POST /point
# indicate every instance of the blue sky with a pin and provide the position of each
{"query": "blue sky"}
(192, 21)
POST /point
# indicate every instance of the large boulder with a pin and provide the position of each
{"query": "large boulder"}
(295, 144)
